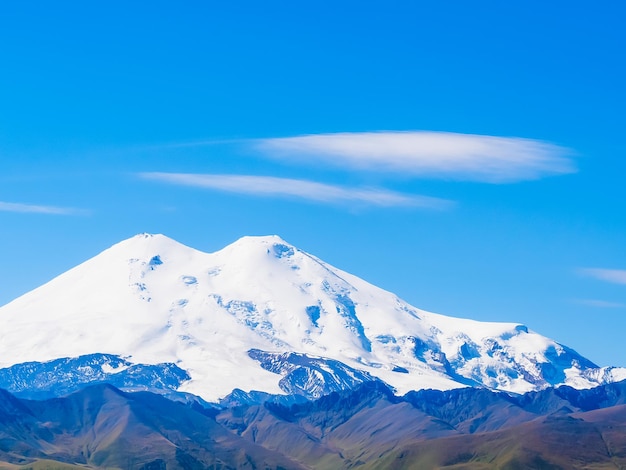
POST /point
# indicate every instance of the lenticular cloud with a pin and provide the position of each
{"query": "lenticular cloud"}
(428, 154)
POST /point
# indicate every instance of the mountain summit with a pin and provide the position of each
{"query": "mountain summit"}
(263, 315)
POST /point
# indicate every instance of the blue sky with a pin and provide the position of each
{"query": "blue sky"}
(468, 157)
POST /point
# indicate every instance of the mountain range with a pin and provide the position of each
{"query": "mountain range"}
(367, 427)
(258, 318)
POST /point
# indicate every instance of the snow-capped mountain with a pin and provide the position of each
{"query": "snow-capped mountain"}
(263, 315)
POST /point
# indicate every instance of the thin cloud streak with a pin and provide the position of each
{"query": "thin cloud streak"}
(37, 209)
(443, 155)
(599, 303)
(285, 187)
(616, 276)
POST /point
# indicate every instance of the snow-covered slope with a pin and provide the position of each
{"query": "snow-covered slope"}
(153, 301)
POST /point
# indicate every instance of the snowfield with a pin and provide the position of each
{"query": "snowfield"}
(151, 300)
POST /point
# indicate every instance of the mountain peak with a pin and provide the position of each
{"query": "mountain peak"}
(260, 240)
(147, 246)
(151, 240)
(252, 246)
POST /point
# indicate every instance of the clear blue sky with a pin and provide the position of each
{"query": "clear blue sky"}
(468, 156)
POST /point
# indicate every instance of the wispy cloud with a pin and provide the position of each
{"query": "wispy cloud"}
(616, 276)
(296, 188)
(447, 155)
(599, 303)
(37, 209)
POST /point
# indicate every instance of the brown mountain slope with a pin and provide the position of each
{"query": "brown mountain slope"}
(367, 428)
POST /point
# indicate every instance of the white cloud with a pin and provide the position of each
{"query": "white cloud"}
(286, 187)
(616, 276)
(599, 303)
(429, 154)
(36, 209)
